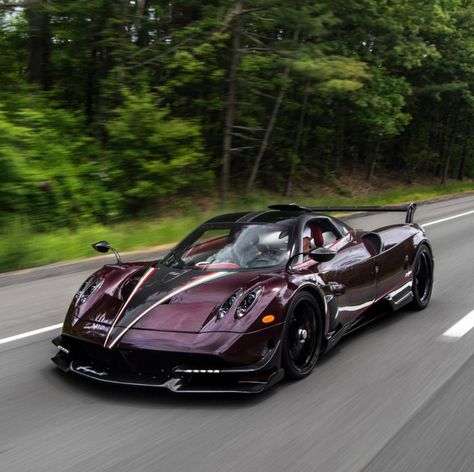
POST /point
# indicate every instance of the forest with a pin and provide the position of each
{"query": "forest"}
(117, 108)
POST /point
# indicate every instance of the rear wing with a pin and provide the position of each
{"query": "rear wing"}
(408, 209)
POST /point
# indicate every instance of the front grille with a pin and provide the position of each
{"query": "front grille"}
(149, 361)
(137, 361)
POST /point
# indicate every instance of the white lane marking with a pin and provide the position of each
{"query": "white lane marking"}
(442, 220)
(30, 333)
(463, 326)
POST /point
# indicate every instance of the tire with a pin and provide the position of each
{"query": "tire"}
(422, 278)
(302, 337)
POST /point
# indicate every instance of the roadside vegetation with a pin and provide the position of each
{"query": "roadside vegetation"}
(21, 247)
(116, 113)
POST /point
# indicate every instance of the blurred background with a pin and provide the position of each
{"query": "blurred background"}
(132, 120)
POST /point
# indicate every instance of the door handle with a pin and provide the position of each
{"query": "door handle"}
(336, 288)
(406, 262)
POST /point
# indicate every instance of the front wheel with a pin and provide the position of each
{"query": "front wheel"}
(422, 278)
(302, 337)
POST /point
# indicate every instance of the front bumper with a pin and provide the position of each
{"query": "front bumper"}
(178, 372)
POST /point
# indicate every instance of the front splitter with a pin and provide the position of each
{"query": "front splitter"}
(183, 384)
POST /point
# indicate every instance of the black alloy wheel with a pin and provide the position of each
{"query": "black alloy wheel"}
(302, 338)
(422, 278)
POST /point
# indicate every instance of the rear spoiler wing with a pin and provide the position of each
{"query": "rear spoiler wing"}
(408, 209)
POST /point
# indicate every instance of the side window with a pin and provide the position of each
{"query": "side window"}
(321, 232)
(329, 237)
(341, 227)
(318, 233)
(307, 242)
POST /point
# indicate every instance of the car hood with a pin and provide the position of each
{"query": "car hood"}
(160, 298)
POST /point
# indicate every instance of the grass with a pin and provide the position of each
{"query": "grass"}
(20, 247)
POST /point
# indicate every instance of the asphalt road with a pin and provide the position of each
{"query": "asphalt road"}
(395, 396)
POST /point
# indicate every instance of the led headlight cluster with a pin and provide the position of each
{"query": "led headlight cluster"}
(227, 305)
(248, 302)
(90, 286)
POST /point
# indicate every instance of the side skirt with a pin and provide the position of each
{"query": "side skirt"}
(401, 296)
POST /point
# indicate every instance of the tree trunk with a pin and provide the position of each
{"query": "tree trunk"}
(371, 170)
(271, 125)
(268, 132)
(299, 134)
(231, 104)
(441, 152)
(462, 164)
(361, 154)
(339, 138)
(38, 44)
(141, 7)
(449, 151)
(373, 162)
(91, 87)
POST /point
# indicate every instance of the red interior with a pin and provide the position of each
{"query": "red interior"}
(220, 265)
(215, 243)
(316, 234)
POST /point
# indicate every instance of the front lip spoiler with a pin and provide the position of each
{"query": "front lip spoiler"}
(175, 384)
(185, 379)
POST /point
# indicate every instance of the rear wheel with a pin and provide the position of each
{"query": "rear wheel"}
(422, 278)
(302, 338)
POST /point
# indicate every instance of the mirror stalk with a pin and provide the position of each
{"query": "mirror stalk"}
(319, 254)
(104, 246)
(117, 255)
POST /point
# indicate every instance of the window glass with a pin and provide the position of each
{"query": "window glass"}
(341, 227)
(317, 233)
(237, 246)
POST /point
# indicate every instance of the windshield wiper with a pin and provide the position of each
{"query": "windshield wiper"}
(178, 262)
(173, 260)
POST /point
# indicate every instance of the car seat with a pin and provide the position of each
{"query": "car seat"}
(316, 234)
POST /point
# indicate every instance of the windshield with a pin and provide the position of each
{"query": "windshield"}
(235, 246)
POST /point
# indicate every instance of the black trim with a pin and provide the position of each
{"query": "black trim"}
(251, 216)
(210, 376)
(408, 209)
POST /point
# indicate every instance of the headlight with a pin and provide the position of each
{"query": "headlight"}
(227, 305)
(90, 286)
(248, 302)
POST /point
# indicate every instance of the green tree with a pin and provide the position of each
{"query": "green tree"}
(153, 156)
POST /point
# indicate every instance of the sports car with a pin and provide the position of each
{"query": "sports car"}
(244, 300)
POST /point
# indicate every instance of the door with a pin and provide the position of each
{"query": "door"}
(351, 274)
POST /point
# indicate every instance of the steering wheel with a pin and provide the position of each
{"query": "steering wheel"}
(267, 257)
(262, 251)
(261, 260)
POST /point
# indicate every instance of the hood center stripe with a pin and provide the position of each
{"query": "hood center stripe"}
(194, 283)
(129, 299)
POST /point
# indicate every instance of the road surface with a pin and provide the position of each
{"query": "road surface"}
(395, 396)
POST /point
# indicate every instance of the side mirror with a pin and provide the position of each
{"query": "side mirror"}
(321, 254)
(101, 246)
(104, 246)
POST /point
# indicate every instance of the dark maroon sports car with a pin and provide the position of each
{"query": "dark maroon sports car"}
(243, 301)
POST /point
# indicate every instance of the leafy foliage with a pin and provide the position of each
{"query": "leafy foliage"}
(153, 156)
(109, 108)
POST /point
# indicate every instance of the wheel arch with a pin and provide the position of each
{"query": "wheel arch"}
(419, 303)
(426, 243)
(320, 300)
